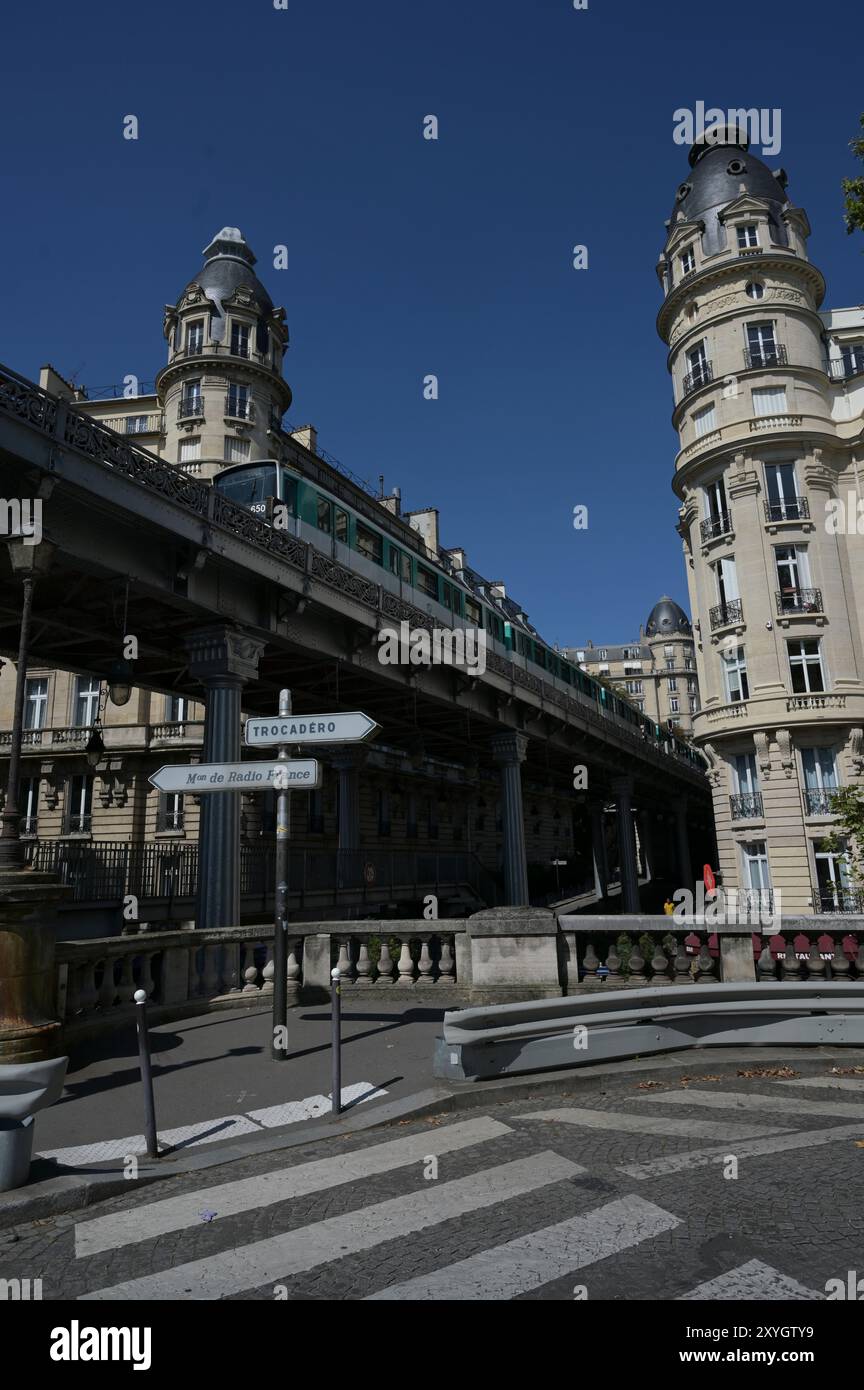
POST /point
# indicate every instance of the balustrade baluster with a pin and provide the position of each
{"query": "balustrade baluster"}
(840, 964)
(346, 969)
(364, 964)
(108, 989)
(815, 964)
(613, 961)
(681, 964)
(766, 968)
(659, 959)
(250, 969)
(790, 966)
(385, 964)
(447, 963)
(406, 964)
(268, 971)
(88, 995)
(425, 964)
(590, 960)
(638, 971)
(705, 962)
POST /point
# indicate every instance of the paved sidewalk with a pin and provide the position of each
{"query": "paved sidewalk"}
(213, 1077)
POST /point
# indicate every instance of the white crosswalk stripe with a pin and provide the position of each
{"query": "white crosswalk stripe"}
(293, 1252)
(741, 1100)
(653, 1124)
(747, 1148)
(228, 1199)
(753, 1280)
(505, 1271)
(826, 1083)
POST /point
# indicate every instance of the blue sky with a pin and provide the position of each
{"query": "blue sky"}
(408, 256)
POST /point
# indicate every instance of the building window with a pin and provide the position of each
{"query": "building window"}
(832, 876)
(670, 663)
(341, 526)
(748, 235)
(189, 450)
(602, 653)
(239, 339)
(673, 705)
(79, 805)
(28, 804)
(136, 424)
(688, 261)
(769, 400)
(85, 701)
(757, 878)
(36, 703)
(793, 579)
(726, 579)
(176, 709)
(672, 683)
(170, 812)
(754, 290)
(237, 450)
(761, 345)
(735, 674)
(820, 780)
(699, 369)
(634, 687)
(195, 336)
(852, 355)
(705, 420)
(805, 661)
(237, 404)
(783, 502)
(691, 687)
(694, 705)
(191, 400)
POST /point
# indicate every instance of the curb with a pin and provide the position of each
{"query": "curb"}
(74, 1191)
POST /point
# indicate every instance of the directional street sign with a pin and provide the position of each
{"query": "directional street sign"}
(297, 774)
(311, 728)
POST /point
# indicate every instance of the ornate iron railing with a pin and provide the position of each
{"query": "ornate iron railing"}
(725, 613)
(190, 407)
(769, 355)
(818, 801)
(715, 526)
(746, 806)
(799, 601)
(793, 509)
(238, 407)
(699, 376)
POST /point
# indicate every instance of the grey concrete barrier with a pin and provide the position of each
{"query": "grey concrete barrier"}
(24, 1090)
(541, 1035)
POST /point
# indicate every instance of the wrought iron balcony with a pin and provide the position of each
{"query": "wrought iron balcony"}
(842, 900)
(818, 802)
(794, 509)
(799, 601)
(238, 407)
(746, 806)
(769, 355)
(239, 349)
(726, 613)
(715, 526)
(699, 376)
(190, 407)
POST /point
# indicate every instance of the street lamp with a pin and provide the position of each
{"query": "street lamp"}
(95, 747)
(120, 676)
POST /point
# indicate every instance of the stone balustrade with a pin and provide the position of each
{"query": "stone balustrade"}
(616, 959)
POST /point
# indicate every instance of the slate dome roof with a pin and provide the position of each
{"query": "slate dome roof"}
(722, 169)
(667, 617)
(228, 262)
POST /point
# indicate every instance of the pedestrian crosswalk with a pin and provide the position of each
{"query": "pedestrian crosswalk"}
(457, 1180)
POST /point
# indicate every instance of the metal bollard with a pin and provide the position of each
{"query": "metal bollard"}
(336, 1040)
(146, 1073)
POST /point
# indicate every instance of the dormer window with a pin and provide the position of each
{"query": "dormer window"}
(748, 235)
(688, 261)
(195, 336)
(239, 339)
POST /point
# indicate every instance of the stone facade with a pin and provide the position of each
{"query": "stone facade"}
(769, 396)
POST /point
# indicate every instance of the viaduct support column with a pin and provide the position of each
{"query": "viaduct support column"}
(347, 763)
(598, 846)
(622, 788)
(509, 752)
(223, 659)
(685, 868)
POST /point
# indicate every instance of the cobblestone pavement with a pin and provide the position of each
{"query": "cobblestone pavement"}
(710, 1187)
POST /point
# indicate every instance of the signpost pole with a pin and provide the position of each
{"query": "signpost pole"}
(280, 934)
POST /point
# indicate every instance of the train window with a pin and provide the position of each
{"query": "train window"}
(446, 595)
(324, 515)
(370, 544)
(394, 560)
(473, 612)
(406, 567)
(341, 526)
(496, 626)
(427, 581)
(249, 487)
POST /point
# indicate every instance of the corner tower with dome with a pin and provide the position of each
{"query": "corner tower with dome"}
(768, 405)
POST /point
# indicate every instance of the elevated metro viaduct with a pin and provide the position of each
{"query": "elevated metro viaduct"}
(220, 600)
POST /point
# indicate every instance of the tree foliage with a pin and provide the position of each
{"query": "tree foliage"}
(853, 189)
(848, 806)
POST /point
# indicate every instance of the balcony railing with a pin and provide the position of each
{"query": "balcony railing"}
(239, 349)
(725, 613)
(799, 601)
(190, 407)
(715, 526)
(769, 355)
(699, 376)
(847, 900)
(842, 371)
(792, 509)
(135, 424)
(746, 806)
(818, 801)
(238, 407)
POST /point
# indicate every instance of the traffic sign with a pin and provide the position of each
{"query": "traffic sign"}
(195, 778)
(310, 728)
(708, 878)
